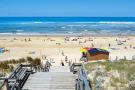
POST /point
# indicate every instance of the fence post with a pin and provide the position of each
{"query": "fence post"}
(6, 84)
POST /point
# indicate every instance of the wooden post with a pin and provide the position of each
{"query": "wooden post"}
(6, 84)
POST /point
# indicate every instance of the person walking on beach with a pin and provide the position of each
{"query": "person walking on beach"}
(92, 45)
(62, 53)
(29, 39)
(62, 63)
(130, 46)
(66, 58)
(25, 40)
(109, 45)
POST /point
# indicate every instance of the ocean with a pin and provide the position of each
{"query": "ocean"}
(67, 25)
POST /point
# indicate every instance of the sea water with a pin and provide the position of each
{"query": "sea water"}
(67, 25)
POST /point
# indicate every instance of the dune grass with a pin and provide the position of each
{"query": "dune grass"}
(125, 69)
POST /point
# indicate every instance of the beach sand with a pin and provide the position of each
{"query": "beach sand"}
(53, 47)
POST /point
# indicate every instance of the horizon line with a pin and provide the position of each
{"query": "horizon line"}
(71, 16)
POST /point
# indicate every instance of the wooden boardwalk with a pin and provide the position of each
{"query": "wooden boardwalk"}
(58, 78)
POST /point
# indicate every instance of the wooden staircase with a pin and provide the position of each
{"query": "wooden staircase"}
(58, 78)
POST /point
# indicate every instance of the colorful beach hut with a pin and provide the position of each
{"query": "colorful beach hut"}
(93, 54)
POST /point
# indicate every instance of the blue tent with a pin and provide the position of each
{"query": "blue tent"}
(1, 50)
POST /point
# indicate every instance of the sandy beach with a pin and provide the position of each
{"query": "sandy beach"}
(57, 48)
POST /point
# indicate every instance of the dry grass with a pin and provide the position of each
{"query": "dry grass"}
(125, 69)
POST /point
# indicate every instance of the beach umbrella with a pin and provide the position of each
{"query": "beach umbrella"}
(87, 48)
(83, 50)
(103, 49)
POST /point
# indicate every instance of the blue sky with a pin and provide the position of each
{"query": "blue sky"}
(113, 8)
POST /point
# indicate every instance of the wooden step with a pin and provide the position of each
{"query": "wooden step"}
(59, 78)
(59, 69)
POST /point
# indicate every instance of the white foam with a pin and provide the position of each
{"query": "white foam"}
(6, 33)
(117, 22)
(19, 30)
(37, 22)
(102, 22)
(70, 32)
(76, 25)
(85, 30)
(30, 22)
(63, 27)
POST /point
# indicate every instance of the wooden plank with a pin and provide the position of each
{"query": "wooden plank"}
(58, 79)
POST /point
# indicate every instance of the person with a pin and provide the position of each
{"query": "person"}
(48, 64)
(92, 45)
(29, 39)
(84, 54)
(43, 57)
(25, 40)
(46, 68)
(109, 45)
(130, 46)
(62, 53)
(66, 58)
(43, 62)
(62, 63)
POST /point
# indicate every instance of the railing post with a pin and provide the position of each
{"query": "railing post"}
(31, 68)
(6, 84)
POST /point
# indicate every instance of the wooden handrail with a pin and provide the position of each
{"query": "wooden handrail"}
(14, 78)
(82, 82)
(85, 84)
(19, 80)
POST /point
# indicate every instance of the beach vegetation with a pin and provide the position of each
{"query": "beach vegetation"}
(29, 59)
(117, 73)
(8, 66)
(36, 62)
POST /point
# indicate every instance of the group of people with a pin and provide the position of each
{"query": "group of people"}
(45, 65)
(27, 39)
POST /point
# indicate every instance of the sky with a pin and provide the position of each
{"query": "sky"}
(68, 8)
